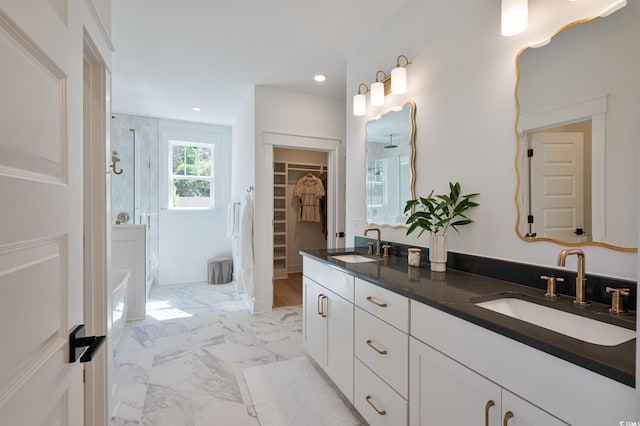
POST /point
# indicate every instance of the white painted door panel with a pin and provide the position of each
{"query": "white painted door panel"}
(443, 392)
(339, 361)
(313, 320)
(526, 414)
(41, 254)
(557, 186)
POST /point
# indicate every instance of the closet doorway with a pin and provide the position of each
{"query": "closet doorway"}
(300, 185)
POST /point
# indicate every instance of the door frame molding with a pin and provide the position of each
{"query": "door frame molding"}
(97, 229)
(263, 300)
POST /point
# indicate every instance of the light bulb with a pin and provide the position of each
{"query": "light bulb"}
(359, 105)
(377, 93)
(399, 80)
(515, 17)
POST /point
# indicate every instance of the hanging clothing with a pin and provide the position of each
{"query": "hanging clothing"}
(309, 189)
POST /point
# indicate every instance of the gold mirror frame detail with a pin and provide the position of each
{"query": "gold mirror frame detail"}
(519, 147)
(413, 159)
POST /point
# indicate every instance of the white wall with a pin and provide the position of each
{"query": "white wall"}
(189, 238)
(291, 113)
(243, 149)
(462, 80)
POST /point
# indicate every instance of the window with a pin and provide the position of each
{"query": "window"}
(190, 175)
(376, 184)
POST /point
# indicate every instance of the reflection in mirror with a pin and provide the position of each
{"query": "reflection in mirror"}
(390, 164)
(577, 161)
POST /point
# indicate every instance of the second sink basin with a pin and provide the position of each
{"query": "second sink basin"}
(578, 327)
(353, 258)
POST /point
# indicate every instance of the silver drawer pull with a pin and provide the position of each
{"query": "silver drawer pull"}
(320, 296)
(370, 343)
(382, 305)
(381, 412)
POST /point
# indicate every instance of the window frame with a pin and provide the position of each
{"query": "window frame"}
(171, 143)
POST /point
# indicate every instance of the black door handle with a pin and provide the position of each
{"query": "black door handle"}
(78, 341)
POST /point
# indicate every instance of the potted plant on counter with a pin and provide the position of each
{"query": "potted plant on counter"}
(436, 214)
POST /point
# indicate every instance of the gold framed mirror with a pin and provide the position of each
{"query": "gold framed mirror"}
(390, 145)
(578, 134)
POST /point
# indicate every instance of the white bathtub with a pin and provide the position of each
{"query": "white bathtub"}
(119, 284)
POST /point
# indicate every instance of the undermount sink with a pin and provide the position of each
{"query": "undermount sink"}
(353, 258)
(578, 327)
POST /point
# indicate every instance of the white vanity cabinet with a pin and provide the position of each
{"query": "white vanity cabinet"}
(381, 388)
(328, 322)
(403, 362)
(445, 392)
(477, 360)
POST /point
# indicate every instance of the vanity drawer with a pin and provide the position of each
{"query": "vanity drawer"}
(330, 278)
(384, 304)
(384, 349)
(376, 401)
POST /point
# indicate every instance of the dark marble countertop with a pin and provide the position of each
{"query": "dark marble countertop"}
(456, 293)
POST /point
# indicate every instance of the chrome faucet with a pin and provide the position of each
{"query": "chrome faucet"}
(378, 243)
(581, 280)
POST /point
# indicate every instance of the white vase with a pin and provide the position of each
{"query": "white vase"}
(438, 253)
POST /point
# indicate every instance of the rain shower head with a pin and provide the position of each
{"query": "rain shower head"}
(391, 144)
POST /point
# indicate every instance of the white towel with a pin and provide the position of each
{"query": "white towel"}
(230, 221)
(245, 252)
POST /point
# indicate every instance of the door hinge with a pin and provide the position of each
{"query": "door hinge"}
(530, 218)
(530, 152)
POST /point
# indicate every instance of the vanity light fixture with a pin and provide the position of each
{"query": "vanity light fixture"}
(396, 83)
(399, 77)
(515, 17)
(360, 101)
(377, 90)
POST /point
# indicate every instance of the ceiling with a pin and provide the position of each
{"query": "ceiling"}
(172, 55)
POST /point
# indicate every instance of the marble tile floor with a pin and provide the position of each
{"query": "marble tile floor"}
(183, 364)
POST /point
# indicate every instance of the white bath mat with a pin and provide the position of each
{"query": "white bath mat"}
(293, 393)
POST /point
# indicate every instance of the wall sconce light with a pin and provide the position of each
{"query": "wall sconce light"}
(395, 83)
(515, 17)
(360, 101)
(399, 77)
(377, 90)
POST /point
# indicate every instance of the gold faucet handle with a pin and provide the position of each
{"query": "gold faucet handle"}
(551, 285)
(385, 250)
(370, 251)
(616, 299)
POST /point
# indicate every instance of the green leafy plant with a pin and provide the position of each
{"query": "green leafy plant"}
(436, 213)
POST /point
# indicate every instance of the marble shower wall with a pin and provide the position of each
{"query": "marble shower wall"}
(140, 178)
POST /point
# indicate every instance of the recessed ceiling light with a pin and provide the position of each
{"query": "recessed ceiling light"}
(320, 77)
(196, 109)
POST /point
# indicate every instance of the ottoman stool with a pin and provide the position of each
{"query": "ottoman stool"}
(220, 270)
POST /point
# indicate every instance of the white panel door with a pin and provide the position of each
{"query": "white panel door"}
(339, 349)
(523, 413)
(41, 288)
(314, 323)
(443, 392)
(557, 186)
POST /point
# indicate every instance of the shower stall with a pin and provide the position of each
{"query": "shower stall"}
(134, 179)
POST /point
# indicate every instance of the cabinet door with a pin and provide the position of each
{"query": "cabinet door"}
(339, 351)
(444, 392)
(313, 325)
(524, 413)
